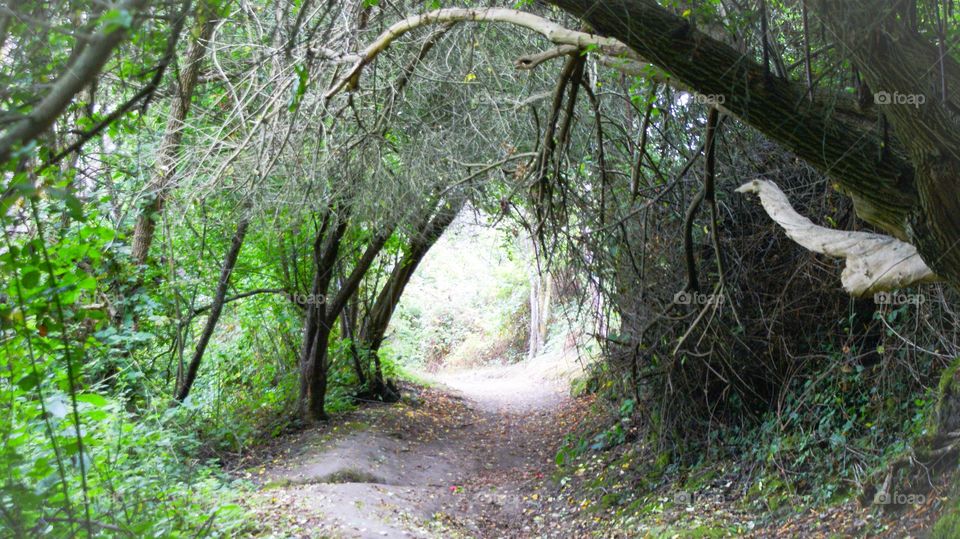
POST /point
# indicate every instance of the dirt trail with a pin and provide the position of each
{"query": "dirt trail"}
(463, 458)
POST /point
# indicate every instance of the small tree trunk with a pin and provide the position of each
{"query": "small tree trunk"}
(375, 326)
(540, 292)
(163, 176)
(348, 329)
(183, 389)
(533, 342)
(326, 246)
(314, 364)
(547, 296)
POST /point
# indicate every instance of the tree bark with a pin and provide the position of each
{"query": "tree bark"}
(322, 317)
(78, 74)
(326, 246)
(216, 308)
(378, 319)
(881, 188)
(166, 166)
(897, 61)
(910, 194)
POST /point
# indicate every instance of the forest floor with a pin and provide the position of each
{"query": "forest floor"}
(473, 454)
(461, 458)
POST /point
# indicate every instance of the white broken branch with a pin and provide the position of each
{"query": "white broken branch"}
(554, 32)
(874, 262)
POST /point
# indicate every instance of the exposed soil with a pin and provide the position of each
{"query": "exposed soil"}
(460, 459)
(475, 455)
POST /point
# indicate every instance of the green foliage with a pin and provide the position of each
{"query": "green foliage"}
(93, 346)
(73, 458)
(948, 525)
(137, 478)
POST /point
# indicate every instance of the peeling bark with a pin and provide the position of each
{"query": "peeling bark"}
(874, 262)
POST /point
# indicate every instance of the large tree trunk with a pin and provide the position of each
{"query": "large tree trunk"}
(166, 166)
(321, 317)
(908, 188)
(897, 61)
(910, 194)
(216, 308)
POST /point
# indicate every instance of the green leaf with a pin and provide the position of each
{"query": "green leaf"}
(29, 381)
(93, 399)
(88, 283)
(304, 77)
(116, 19)
(57, 407)
(30, 278)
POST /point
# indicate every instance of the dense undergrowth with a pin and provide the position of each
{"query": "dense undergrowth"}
(830, 438)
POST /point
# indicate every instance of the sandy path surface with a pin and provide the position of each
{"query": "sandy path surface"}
(460, 459)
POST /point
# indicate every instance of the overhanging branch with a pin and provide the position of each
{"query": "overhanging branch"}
(77, 75)
(554, 32)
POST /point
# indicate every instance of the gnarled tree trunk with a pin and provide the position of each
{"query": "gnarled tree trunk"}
(909, 192)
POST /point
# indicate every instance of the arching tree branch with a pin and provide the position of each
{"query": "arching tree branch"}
(549, 29)
(77, 75)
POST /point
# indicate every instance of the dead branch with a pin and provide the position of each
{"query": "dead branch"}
(875, 262)
(550, 30)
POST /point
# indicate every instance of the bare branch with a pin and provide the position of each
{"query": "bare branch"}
(549, 29)
(78, 75)
(875, 262)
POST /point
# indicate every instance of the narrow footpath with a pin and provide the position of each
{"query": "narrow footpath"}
(464, 457)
